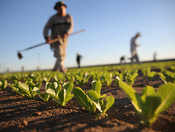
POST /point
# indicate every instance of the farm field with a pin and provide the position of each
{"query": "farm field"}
(124, 98)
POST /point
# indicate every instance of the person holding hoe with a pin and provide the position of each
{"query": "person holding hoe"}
(60, 25)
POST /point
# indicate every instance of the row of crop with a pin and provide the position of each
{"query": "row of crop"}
(62, 93)
(160, 65)
(62, 88)
(81, 78)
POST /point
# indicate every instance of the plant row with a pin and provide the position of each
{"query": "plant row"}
(63, 87)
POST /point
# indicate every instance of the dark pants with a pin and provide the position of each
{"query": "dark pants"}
(78, 62)
(135, 58)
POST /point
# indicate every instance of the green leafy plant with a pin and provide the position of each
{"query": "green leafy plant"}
(169, 76)
(3, 84)
(60, 93)
(150, 74)
(130, 77)
(25, 90)
(151, 103)
(106, 78)
(92, 100)
(65, 94)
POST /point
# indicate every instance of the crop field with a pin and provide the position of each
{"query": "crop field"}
(123, 98)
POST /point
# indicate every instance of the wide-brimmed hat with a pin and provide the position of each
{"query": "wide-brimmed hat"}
(138, 34)
(59, 4)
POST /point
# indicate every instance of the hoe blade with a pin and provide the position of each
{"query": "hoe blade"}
(19, 55)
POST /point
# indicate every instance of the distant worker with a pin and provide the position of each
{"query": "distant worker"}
(122, 59)
(60, 25)
(154, 56)
(78, 59)
(133, 48)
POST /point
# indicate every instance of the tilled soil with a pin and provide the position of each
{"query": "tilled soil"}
(18, 113)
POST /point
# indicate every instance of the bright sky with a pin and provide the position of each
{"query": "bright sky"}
(109, 27)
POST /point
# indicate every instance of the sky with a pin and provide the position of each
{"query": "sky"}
(109, 27)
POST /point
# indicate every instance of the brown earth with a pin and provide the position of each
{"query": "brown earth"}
(18, 113)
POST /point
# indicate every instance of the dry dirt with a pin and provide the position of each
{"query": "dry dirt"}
(19, 113)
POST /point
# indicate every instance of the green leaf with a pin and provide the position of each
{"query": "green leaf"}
(3, 84)
(162, 77)
(109, 101)
(35, 89)
(58, 89)
(23, 86)
(85, 101)
(55, 84)
(24, 89)
(93, 95)
(62, 96)
(135, 99)
(45, 97)
(149, 107)
(96, 85)
(66, 93)
(69, 86)
(51, 92)
(147, 91)
(167, 94)
(95, 98)
(68, 98)
(15, 89)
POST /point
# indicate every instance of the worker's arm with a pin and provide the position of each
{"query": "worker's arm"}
(70, 30)
(47, 27)
(71, 26)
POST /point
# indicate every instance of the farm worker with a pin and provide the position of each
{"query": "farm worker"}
(78, 59)
(60, 25)
(122, 59)
(154, 56)
(133, 48)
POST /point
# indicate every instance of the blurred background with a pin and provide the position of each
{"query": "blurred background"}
(109, 27)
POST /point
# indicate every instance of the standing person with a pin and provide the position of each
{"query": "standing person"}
(60, 25)
(154, 56)
(78, 59)
(122, 59)
(133, 48)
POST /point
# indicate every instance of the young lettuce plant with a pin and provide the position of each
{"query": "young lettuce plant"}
(51, 90)
(151, 103)
(3, 84)
(33, 87)
(150, 74)
(65, 94)
(92, 100)
(130, 77)
(106, 78)
(81, 78)
(170, 76)
(60, 93)
(24, 89)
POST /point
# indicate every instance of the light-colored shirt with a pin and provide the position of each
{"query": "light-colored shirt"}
(58, 25)
(134, 46)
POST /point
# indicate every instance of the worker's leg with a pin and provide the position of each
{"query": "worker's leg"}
(132, 56)
(78, 64)
(60, 53)
(63, 55)
(57, 56)
(137, 58)
(132, 59)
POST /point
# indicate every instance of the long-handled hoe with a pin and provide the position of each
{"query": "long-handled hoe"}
(19, 53)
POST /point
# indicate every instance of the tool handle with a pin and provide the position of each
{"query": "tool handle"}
(58, 38)
(52, 41)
